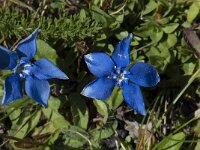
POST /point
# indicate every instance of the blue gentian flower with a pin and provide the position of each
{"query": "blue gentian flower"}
(35, 73)
(113, 70)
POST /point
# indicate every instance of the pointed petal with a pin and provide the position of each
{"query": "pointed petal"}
(12, 89)
(121, 54)
(27, 48)
(99, 64)
(37, 89)
(144, 74)
(44, 69)
(99, 89)
(133, 97)
(8, 59)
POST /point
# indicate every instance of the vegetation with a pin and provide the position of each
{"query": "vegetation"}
(165, 35)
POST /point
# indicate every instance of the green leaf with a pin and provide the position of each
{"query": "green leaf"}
(101, 108)
(104, 132)
(172, 142)
(82, 15)
(14, 114)
(18, 104)
(25, 124)
(197, 128)
(152, 5)
(52, 114)
(171, 40)
(58, 5)
(156, 36)
(145, 31)
(197, 147)
(170, 27)
(101, 16)
(163, 48)
(115, 100)
(153, 51)
(44, 50)
(121, 35)
(1, 93)
(54, 103)
(158, 62)
(192, 12)
(75, 137)
(79, 110)
(188, 68)
(45, 128)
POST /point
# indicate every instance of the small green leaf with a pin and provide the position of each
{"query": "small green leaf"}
(104, 132)
(145, 31)
(101, 16)
(197, 147)
(45, 128)
(192, 12)
(121, 35)
(115, 100)
(188, 68)
(58, 5)
(156, 36)
(82, 15)
(171, 40)
(153, 51)
(170, 27)
(158, 62)
(173, 142)
(152, 5)
(54, 103)
(14, 114)
(44, 50)
(18, 104)
(52, 114)
(75, 137)
(79, 110)
(197, 128)
(163, 48)
(101, 108)
(25, 124)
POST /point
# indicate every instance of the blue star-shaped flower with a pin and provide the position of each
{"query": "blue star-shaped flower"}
(35, 74)
(114, 70)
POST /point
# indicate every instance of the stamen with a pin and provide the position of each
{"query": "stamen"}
(26, 72)
(120, 76)
(21, 75)
(22, 69)
(27, 65)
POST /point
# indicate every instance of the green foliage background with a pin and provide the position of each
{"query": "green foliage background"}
(68, 30)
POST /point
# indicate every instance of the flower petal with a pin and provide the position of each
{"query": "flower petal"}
(8, 59)
(44, 69)
(27, 48)
(99, 64)
(12, 89)
(144, 74)
(37, 89)
(121, 54)
(99, 89)
(133, 97)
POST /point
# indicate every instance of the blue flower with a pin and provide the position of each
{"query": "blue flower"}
(35, 73)
(113, 70)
